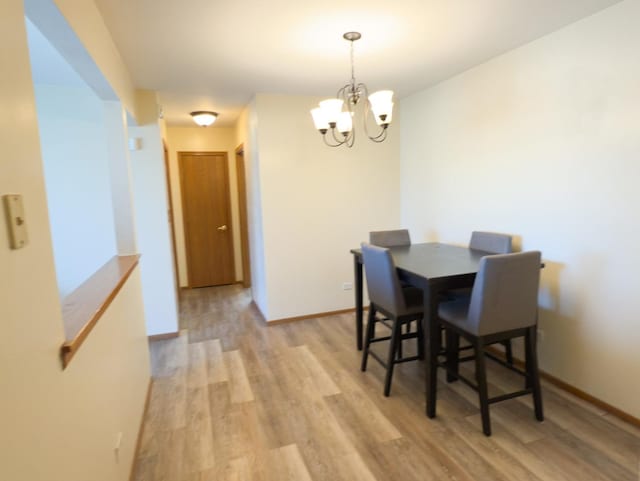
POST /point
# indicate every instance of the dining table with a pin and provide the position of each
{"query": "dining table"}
(435, 268)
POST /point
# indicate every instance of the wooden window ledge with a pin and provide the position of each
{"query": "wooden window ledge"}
(83, 307)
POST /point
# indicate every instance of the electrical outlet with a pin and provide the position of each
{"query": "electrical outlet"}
(540, 334)
(347, 286)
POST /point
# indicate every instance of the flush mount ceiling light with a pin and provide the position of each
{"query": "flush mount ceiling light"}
(204, 118)
(330, 116)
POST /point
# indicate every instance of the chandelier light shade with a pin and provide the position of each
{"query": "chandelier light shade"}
(335, 116)
(204, 118)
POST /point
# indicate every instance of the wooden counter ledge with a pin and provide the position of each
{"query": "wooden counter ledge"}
(83, 307)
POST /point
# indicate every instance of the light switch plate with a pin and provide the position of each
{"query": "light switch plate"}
(16, 221)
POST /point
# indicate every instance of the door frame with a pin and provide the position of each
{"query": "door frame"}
(174, 252)
(242, 215)
(184, 217)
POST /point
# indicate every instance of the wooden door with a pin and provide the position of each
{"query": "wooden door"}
(204, 180)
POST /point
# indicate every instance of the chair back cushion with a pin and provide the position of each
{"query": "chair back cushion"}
(382, 279)
(505, 293)
(390, 238)
(491, 242)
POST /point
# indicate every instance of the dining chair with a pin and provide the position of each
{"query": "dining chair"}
(400, 306)
(390, 238)
(493, 243)
(503, 305)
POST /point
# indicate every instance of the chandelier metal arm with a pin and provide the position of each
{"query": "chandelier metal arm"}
(347, 140)
(383, 132)
(324, 137)
(381, 137)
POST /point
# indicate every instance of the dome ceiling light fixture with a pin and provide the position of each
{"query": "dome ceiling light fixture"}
(330, 116)
(204, 118)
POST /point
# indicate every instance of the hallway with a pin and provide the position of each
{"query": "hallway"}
(233, 399)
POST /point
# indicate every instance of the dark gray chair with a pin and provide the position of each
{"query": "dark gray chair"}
(401, 306)
(390, 238)
(492, 243)
(503, 305)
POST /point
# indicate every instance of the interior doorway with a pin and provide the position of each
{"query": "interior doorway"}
(206, 212)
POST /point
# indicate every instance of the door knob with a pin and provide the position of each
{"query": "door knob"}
(222, 228)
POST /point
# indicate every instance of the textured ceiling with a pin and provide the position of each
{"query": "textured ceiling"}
(213, 54)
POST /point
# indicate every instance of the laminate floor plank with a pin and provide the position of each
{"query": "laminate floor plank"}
(199, 452)
(238, 381)
(234, 399)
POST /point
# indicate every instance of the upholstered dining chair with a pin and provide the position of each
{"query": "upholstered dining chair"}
(503, 305)
(400, 306)
(390, 238)
(493, 243)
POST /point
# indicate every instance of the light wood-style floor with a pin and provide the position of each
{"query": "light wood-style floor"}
(233, 399)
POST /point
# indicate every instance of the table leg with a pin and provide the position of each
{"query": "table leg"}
(357, 271)
(432, 348)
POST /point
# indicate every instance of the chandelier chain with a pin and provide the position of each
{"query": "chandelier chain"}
(353, 70)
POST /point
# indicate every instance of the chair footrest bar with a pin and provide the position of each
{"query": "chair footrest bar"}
(406, 359)
(379, 339)
(504, 397)
(404, 337)
(377, 358)
(385, 323)
(502, 362)
(395, 361)
(467, 359)
(458, 376)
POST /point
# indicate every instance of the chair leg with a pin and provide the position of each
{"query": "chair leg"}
(396, 338)
(481, 378)
(532, 371)
(452, 348)
(508, 350)
(371, 327)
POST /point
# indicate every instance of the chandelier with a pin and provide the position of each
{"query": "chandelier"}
(330, 116)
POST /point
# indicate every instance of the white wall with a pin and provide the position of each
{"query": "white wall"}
(317, 203)
(78, 32)
(199, 139)
(72, 140)
(154, 230)
(247, 135)
(56, 425)
(115, 121)
(544, 143)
